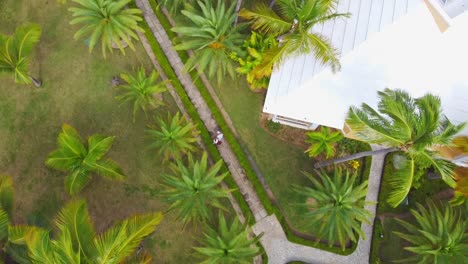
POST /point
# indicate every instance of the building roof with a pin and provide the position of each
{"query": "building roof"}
(386, 43)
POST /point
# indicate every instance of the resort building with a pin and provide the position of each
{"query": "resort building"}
(420, 46)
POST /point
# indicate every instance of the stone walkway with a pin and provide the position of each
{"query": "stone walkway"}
(274, 240)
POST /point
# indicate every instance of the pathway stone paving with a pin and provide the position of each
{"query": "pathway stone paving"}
(274, 240)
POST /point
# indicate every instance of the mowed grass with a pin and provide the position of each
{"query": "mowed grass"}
(281, 163)
(76, 90)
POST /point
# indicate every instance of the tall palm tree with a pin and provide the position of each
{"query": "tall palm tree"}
(440, 234)
(74, 157)
(336, 206)
(293, 25)
(142, 90)
(194, 189)
(323, 141)
(228, 244)
(212, 37)
(77, 242)
(14, 52)
(108, 21)
(402, 123)
(174, 137)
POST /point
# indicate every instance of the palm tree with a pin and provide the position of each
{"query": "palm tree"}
(194, 189)
(323, 141)
(292, 26)
(440, 234)
(74, 157)
(336, 206)
(412, 126)
(174, 137)
(174, 5)
(212, 36)
(14, 52)
(108, 21)
(77, 242)
(142, 90)
(228, 245)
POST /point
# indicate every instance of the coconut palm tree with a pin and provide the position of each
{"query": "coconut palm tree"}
(174, 137)
(323, 141)
(79, 161)
(14, 52)
(336, 206)
(228, 244)
(108, 21)
(142, 90)
(77, 242)
(212, 37)
(440, 235)
(292, 23)
(402, 123)
(192, 190)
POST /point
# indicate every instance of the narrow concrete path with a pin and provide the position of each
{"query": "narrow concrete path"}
(280, 250)
(245, 187)
(274, 240)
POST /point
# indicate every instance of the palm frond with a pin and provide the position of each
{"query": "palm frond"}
(266, 20)
(76, 181)
(119, 242)
(74, 220)
(401, 182)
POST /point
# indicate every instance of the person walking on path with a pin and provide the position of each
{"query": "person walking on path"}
(218, 138)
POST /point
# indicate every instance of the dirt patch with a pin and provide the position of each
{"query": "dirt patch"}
(295, 136)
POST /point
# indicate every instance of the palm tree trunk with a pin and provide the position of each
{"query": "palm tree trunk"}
(238, 6)
(272, 3)
(319, 165)
(35, 81)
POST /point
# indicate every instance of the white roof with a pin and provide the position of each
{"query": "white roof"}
(411, 54)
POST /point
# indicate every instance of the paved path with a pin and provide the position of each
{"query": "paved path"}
(245, 187)
(280, 250)
(274, 240)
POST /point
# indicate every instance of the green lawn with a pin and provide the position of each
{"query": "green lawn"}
(77, 91)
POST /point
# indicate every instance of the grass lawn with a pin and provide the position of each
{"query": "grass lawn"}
(76, 90)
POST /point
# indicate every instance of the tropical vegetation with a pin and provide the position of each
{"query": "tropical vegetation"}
(77, 241)
(109, 21)
(142, 90)
(80, 161)
(15, 51)
(335, 206)
(413, 126)
(228, 244)
(323, 141)
(195, 189)
(292, 23)
(252, 54)
(174, 5)
(211, 34)
(174, 137)
(440, 234)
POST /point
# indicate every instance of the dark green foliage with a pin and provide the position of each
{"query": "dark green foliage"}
(174, 137)
(194, 189)
(228, 244)
(439, 236)
(212, 36)
(335, 204)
